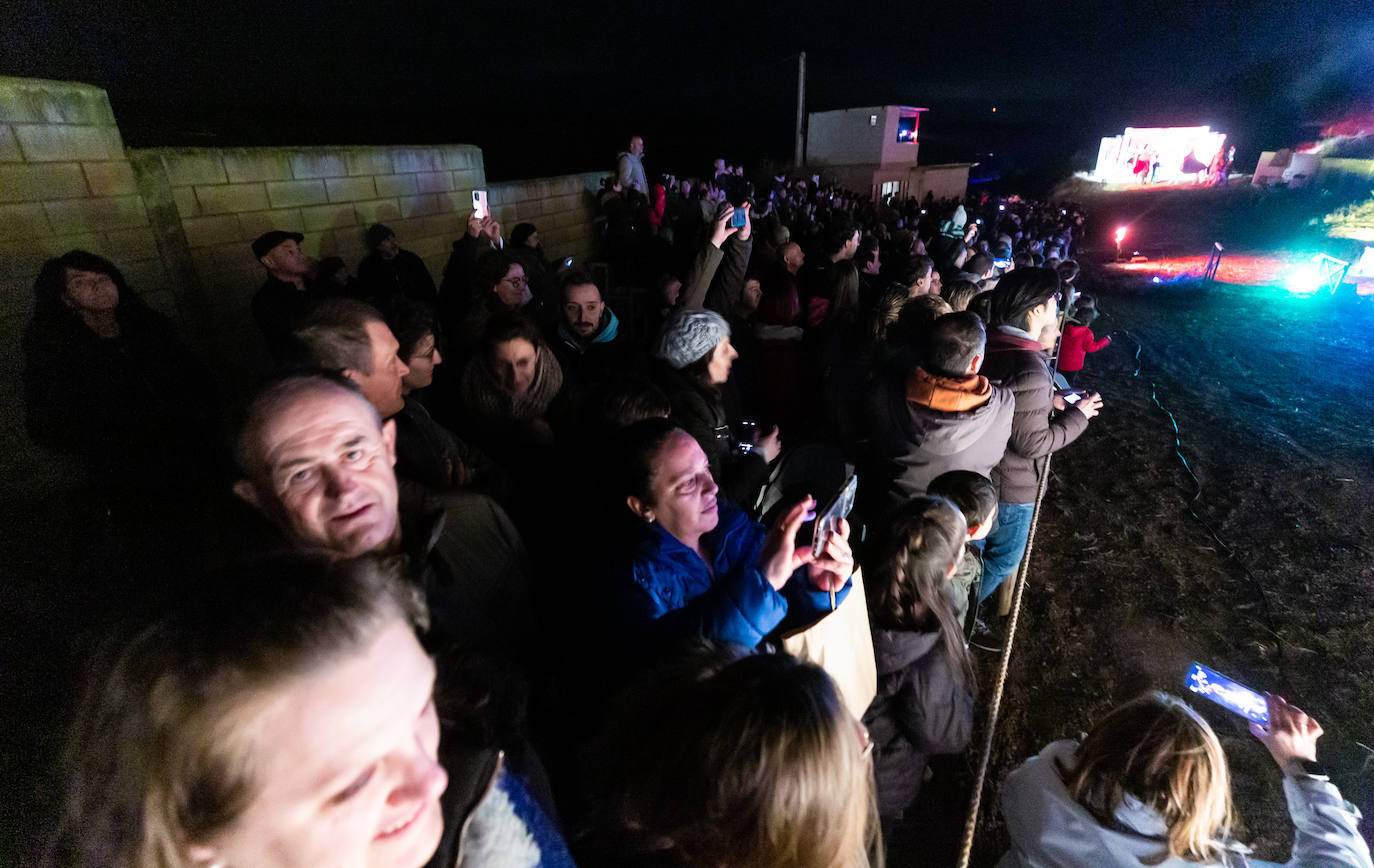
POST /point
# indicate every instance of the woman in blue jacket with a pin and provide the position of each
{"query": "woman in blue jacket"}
(698, 566)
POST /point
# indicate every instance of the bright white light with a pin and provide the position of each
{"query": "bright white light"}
(1001, 207)
(1121, 235)
(1156, 279)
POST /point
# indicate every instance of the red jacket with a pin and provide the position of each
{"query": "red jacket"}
(1077, 342)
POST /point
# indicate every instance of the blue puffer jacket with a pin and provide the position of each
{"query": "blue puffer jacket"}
(664, 592)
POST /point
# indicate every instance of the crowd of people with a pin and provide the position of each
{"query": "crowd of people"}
(515, 574)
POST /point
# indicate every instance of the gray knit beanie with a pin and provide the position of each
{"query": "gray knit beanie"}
(690, 334)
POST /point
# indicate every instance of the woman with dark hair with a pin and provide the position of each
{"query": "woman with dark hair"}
(527, 249)
(924, 704)
(510, 387)
(694, 564)
(106, 379)
(696, 356)
(499, 286)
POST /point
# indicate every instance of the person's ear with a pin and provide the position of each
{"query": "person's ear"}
(248, 493)
(389, 441)
(639, 508)
(976, 365)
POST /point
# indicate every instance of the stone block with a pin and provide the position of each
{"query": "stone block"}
(231, 198)
(254, 224)
(318, 217)
(209, 231)
(446, 202)
(187, 203)
(429, 246)
(434, 182)
(378, 211)
(289, 194)
(246, 165)
(50, 143)
(193, 166)
(24, 220)
(419, 206)
(368, 161)
(358, 189)
(466, 180)
(449, 226)
(56, 245)
(128, 244)
(53, 102)
(317, 164)
(96, 215)
(9, 146)
(396, 185)
(405, 160)
(460, 156)
(22, 182)
(114, 178)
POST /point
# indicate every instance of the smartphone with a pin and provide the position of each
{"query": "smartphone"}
(737, 219)
(1072, 398)
(479, 204)
(567, 263)
(1002, 263)
(828, 521)
(1228, 694)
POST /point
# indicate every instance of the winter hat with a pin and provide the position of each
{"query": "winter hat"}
(690, 334)
(954, 226)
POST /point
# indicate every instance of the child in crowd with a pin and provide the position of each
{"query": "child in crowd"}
(1078, 339)
(924, 704)
(976, 497)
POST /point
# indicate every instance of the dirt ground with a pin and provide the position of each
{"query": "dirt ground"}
(1272, 397)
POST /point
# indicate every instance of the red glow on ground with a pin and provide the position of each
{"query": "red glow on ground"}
(1248, 269)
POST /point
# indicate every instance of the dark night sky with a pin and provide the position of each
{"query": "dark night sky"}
(548, 88)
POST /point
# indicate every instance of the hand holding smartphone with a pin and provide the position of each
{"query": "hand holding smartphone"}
(828, 520)
(1229, 694)
(479, 204)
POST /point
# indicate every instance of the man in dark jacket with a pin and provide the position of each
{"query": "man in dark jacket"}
(286, 296)
(1025, 302)
(941, 416)
(390, 272)
(316, 461)
(587, 340)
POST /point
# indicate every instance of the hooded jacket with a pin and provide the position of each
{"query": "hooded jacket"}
(923, 425)
(1017, 362)
(1077, 342)
(921, 709)
(1048, 828)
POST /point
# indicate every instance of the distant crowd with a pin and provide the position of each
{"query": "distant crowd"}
(548, 562)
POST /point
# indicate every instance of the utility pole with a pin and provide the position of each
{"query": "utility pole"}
(798, 153)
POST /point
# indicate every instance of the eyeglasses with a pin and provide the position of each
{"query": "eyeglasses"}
(520, 280)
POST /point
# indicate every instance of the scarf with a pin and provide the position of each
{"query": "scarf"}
(483, 395)
(948, 394)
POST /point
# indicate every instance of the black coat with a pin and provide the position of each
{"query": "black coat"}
(921, 709)
(404, 276)
(701, 413)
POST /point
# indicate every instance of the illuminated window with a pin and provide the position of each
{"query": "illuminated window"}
(906, 130)
(890, 187)
(872, 120)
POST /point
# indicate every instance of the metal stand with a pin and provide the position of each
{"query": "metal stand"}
(1213, 263)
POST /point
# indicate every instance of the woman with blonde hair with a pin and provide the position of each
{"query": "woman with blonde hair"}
(757, 764)
(924, 704)
(1150, 786)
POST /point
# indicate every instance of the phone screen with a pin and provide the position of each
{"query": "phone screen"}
(838, 509)
(479, 203)
(1228, 694)
(1072, 398)
(737, 219)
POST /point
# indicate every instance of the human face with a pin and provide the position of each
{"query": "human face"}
(287, 258)
(511, 288)
(793, 258)
(515, 361)
(875, 266)
(90, 290)
(936, 282)
(324, 474)
(683, 490)
(533, 241)
(346, 760)
(671, 292)
(421, 364)
(753, 294)
(582, 308)
(382, 387)
(851, 246)
(637, 146)
(389, 248)
(721, 358)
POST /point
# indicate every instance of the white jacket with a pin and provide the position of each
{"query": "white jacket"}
(1048, 828)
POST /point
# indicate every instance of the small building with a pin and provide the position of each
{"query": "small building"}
(874, 149)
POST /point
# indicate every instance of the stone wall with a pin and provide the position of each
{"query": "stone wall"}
(178, 222)
(563, 208)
